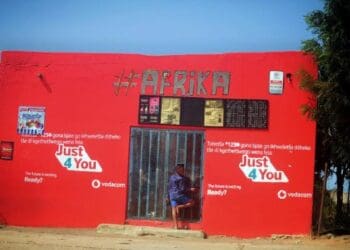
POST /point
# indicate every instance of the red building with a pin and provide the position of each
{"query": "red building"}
(92, 138)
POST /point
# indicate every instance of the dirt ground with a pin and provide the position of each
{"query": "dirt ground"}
(44, 238)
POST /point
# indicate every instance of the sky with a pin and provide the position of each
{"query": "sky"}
(154, 27)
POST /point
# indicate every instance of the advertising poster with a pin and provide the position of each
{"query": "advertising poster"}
(149, 109)
(6, 150)
(214, 113)
(276, 82)
(31, 120)
(154, 105)
(170, 111)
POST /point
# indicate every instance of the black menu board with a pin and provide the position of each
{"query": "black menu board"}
(203, 112)
(149, 109)
(192, 111)
(235, 113)
(257, 113)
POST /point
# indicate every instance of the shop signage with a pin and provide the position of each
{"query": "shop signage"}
(183, 82)
(203, 112)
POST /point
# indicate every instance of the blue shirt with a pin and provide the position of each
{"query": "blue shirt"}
(178, 186)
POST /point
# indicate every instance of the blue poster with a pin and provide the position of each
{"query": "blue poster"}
(31, 120)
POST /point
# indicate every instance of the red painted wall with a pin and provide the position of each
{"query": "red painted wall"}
(81, 104)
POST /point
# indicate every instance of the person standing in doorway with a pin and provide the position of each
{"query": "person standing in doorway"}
(179, 189)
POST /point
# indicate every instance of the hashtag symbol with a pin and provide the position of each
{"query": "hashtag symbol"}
(125, 81)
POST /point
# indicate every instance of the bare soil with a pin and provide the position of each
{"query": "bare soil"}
(48, 238)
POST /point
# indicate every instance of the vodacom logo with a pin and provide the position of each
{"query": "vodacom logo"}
(282, 194)
(96, 184)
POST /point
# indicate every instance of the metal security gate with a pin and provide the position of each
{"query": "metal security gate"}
(153, 156)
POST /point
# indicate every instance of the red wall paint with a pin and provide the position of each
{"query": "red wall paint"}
(78, 95)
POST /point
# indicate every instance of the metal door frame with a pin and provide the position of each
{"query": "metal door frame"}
(168, 133)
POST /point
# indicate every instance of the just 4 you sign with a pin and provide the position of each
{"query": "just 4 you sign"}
(75, 158)
(261, 169)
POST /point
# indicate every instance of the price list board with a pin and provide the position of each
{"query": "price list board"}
(149, 109)
(203, 112)
(235, 113)
(257, 114)
(246, 114)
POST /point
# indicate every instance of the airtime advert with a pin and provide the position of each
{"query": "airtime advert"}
(256, 161)
(31, 120)
(76, 159)
(261, 169)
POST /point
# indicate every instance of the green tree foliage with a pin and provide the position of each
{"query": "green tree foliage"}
(331, 49)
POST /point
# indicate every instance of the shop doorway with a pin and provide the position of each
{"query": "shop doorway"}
(153, 156)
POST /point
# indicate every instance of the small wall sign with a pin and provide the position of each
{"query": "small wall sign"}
(276, 82)
(6, 150)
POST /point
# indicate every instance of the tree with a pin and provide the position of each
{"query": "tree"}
(331, 49)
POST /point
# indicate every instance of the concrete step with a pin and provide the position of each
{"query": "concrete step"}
(131, 230)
